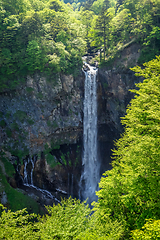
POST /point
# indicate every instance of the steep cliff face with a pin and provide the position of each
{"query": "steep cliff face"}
(43, 119)
(113, 97)
(40, 111)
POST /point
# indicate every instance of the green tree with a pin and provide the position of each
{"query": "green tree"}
(150, 230)
(97, 6)
(35, 36)
(34, 57)
(65, 220)
(17, 224)
(128, 193)
(121, 26)
(56, 5)
(151, 45)
(87, 18)
(102, 26)
(31, 27)
(14, 7)
(118, 4)
(59, 23)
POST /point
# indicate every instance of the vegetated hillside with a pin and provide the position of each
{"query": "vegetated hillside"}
(128, 199)
(41, 36)
(128, 21)
(130, 191)
(49, 37)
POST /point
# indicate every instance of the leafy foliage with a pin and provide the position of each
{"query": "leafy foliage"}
(150, 230)
(15, 225)
(48, 36)
(64, 221)
(129, 191)
(129, 21)
(38, 36)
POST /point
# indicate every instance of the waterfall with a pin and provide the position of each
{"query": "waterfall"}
(25, 180)
(32, 162)
(28, 171)
(90, 176)
(28, 178)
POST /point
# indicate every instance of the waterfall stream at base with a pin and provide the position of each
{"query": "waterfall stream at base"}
(90, 176)
(28, 179)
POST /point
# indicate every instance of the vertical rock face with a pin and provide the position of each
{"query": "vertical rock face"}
(40, 109)
(113, 98)
(44, 118)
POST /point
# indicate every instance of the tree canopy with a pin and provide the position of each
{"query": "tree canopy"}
(50, 37)
(128, 199)
(38, 36)
(129, 21)
(60, 34)
(129, 192)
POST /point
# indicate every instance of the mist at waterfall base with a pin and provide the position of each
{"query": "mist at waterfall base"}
(91, 166)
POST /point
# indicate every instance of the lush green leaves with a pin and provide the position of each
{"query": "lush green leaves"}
(15, 225)
(50, 22)
(129, 191)
(130, 20)
(63, 221)
(39, 36)
(151, 230)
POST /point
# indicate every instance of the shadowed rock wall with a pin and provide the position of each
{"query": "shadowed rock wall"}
(114, 83)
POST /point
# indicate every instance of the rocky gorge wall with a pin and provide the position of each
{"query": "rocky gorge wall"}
(44, 118)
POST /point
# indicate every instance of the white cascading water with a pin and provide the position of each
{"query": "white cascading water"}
(90, 176)
(28, 179)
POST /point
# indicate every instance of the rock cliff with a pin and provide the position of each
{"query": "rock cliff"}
(113, 97)
(43, 119)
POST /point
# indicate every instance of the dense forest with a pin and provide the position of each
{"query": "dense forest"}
(50, 36)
